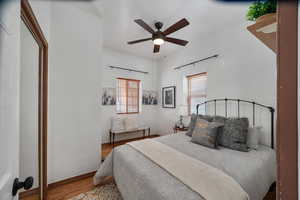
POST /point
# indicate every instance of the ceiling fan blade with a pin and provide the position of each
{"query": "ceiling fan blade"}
(156, 48)
(144, 25)
(175, 27)
(137, 41)
(176, 41)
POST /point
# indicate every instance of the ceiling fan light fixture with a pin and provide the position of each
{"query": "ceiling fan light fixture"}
(158, 41)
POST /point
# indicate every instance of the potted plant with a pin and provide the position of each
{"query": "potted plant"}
(261, 9)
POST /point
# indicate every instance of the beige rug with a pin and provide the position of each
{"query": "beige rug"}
(105, 192)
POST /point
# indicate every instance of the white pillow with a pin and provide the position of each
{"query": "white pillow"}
(117, 124)
(253, 137)
(131, 123)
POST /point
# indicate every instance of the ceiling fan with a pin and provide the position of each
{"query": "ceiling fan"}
(159, 37)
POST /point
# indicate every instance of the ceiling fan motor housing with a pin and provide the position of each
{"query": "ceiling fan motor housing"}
(158, 25)
(158, 35)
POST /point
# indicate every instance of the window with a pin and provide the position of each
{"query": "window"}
(196, 92)
(127, 96)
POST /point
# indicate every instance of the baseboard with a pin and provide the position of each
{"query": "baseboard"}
(27, 193)
(70, 180)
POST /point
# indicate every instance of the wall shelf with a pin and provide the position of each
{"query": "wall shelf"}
(265, 30)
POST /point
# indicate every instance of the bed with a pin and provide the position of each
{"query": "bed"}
(138, 177)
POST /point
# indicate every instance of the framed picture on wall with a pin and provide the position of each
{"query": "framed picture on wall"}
(169, 97)
(150, 97)
(109, 96)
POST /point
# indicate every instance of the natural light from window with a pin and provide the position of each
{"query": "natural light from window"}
(127, 96)
(196, 92)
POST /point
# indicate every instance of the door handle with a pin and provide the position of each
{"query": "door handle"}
(27, 184)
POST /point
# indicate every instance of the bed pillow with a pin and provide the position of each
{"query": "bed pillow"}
(117, 124)
(219, 119)
(206, 133)
(193, 120)
(191, 125)
(131, 123)
(206, 117)
(253, 137)
(234, 134)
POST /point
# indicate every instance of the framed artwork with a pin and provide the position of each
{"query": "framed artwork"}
(109, 96)
(150, 97)
(169, 97)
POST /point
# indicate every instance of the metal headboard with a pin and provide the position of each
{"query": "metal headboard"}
(271, 109)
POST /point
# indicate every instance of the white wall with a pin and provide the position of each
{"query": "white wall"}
(75, 52)
(245, 69)
(9, 95)
(29, 88)
(147, 113)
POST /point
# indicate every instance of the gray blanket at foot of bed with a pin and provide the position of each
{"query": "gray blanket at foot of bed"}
(138, 178)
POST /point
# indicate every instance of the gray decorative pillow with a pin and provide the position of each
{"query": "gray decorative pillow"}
(194, 118)
(206, 133)
(219, 119)
(234, 134)
(206, 117)
(192, 125)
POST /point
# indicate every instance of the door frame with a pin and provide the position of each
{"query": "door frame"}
(29, 19)
(287, 100)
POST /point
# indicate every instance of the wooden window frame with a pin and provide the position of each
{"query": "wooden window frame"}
(138, 96)
(189, 100)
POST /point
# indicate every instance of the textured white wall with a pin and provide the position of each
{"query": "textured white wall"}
(245, 69)
(147, 113)
(75, 52)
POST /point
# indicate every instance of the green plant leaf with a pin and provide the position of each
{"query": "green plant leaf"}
(259, 8)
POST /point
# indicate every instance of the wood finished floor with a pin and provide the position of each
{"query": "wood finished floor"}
(70, 190)
(106, 148)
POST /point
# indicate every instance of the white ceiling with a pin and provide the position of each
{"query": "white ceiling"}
(205, 16)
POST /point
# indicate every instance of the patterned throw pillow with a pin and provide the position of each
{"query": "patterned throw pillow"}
(206, 117)
(234, 134)
(219, 119)
(206, 133)
(194, 118)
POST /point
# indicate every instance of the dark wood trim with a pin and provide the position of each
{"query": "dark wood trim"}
(126, 113)
(128, 79)
(29, 19)
(70, 180)
(28, 193)
(287, 100)
(199, 74)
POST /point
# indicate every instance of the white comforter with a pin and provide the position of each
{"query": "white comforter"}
(138, 178)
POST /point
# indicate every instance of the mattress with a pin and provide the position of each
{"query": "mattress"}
(139, 178)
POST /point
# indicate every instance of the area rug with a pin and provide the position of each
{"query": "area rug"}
(104, 192)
